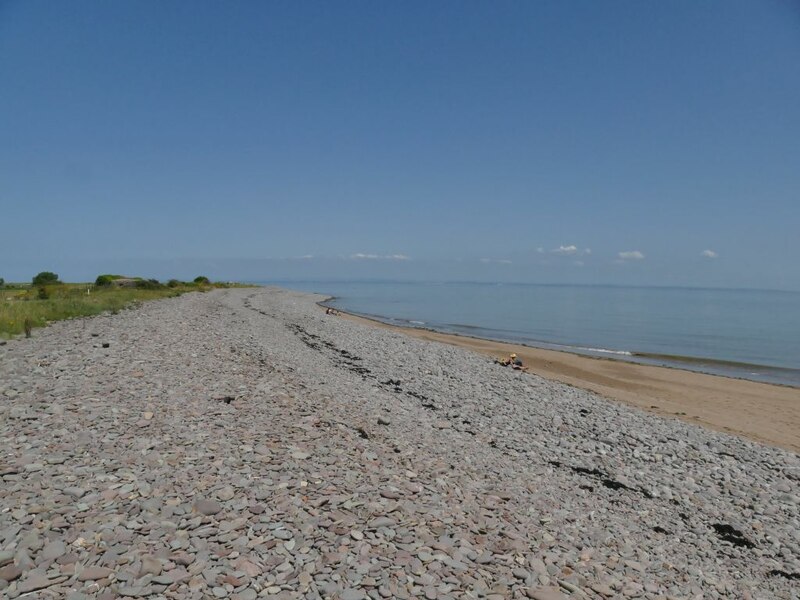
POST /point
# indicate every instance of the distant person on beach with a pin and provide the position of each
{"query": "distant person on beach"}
(516, 363)
(503, 361)
(513, 362)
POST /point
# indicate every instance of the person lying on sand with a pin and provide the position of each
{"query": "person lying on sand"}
(513, 362)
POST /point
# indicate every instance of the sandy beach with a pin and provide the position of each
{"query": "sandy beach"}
(243, 444)
(758, 411)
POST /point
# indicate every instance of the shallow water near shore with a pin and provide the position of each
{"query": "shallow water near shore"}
(749, 334)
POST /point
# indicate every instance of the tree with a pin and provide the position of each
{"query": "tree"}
(2, 282)
(202, 279)
(45, 278)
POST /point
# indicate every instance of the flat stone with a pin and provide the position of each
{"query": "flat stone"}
(226, 493)
(94, 573)
(10, 572)
(182, 558)
(382, 522)
(36, 582)
(603, 589)
(150, 566)
(207, 507)
(521, 574)
(546, 593)
(135, 591)
(75, 492)
(250, 569)
(54, 550)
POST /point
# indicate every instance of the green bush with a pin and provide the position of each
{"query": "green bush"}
(173, 283)
(45, 278)
(2, 282)
(201, 280)
(104, 280)
(43, 294)
(148, 284)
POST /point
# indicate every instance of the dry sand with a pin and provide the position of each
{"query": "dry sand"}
(759, 411)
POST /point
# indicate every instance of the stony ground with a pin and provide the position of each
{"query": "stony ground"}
(241, 443)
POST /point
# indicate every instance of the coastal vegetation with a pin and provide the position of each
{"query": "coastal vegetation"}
(45, 278)
(47, 299)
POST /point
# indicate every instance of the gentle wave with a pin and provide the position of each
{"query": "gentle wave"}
(497, 335)
(605, 351)
(463, 326)
(745, 366)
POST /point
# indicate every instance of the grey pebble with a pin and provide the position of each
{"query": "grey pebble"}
(207, 507)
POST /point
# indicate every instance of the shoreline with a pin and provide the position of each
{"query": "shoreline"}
(760, 411)
(707, 366)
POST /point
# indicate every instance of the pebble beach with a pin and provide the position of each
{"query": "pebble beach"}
(243, 444)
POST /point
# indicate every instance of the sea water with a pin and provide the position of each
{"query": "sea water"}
(752, 334)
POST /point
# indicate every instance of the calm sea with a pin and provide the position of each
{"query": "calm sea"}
(752, 334)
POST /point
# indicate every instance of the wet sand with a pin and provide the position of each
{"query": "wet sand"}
(763, 412)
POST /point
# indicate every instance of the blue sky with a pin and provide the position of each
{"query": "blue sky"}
(584, 142)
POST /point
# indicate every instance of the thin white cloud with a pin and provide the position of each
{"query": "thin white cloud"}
(709, 254)
(631, 255)
(578, 263)
(571, 250)
(540, 250)
(499, 261)
(363, 256)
